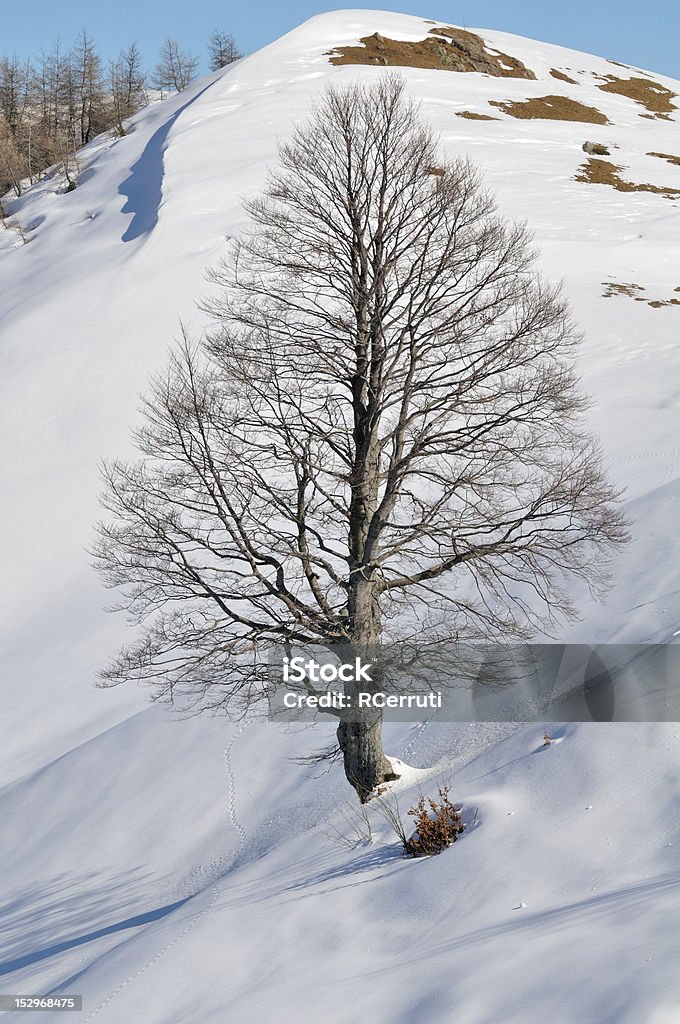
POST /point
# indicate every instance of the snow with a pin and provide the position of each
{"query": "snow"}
(175, 871)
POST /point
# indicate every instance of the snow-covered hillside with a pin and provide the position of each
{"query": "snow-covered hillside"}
(181, 871)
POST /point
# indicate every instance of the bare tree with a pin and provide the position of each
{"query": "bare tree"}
(222, 50)
(126, 85)
(87, 92)
(14, 78)
(53, 106)
(13, 168)
(380, 437)
(176, 68)
(15, 125)
(50, 109)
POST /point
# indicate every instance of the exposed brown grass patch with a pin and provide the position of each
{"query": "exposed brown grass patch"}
(667, 156)
(553, 108)
(602, 172)
(656, 98)
(562, 77)
(613, 288)
(472, 115)
(445, 49)
(628, 67)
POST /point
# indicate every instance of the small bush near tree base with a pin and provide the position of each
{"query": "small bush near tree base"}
(438, 825)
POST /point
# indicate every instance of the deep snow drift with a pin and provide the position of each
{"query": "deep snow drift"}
(181, 871)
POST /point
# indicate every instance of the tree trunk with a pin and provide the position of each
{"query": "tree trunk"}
(360, 734)
(365, 763)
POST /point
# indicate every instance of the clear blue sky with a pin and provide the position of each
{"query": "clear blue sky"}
(646, 34)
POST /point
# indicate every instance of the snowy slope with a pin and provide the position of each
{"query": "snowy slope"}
(180, 871)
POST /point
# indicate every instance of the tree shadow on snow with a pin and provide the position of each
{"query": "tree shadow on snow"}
(143, 188)
(67, 913)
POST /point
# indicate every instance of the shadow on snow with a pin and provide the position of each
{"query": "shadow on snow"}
(143, 188)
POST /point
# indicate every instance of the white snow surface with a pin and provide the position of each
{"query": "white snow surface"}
(179, 871)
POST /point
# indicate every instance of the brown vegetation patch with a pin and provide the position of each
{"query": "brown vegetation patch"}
(602, 172)
(553, 108)
(437, 825)
(445, 49)
(667, 156)
(472, 115)
(623, 288)
(656, 98)
(628, 67)
(612, 288)
(562, 77)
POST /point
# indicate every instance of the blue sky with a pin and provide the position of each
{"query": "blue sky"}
(646, 35)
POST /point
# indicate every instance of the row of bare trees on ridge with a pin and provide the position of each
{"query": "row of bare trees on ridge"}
(52, 105)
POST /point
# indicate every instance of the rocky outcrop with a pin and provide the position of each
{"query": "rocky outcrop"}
(444, 49)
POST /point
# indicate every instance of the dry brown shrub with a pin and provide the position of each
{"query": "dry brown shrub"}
(438, 825)
(553, 108)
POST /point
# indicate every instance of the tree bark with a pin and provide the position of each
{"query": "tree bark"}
(360, 734)
(366, 766)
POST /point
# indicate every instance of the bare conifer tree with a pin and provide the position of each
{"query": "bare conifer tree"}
(382, 435)
(53, 105)
(126, 85)
(50, 109)
(15, 124)
(176, 68)
(13, 168)
(88, 99)
(222, 50)
(14, 78)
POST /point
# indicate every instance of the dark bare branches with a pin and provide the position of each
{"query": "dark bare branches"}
(222, 49)
(176, 68)
(381, 435)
